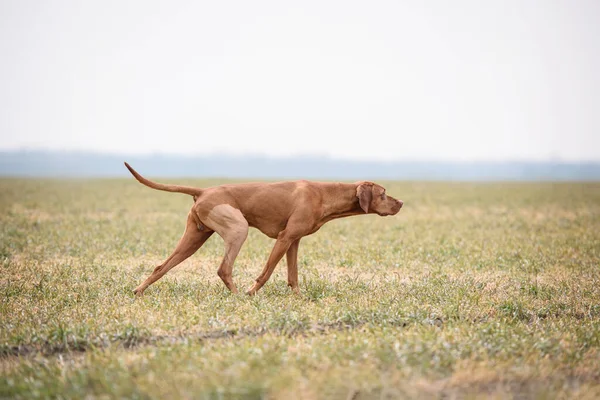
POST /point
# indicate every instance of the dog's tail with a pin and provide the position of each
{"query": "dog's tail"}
(192, 191)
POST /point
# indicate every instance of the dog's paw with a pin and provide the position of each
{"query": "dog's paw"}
(138, 292)
(252, 291)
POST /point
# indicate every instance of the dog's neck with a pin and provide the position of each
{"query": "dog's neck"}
(341, 202)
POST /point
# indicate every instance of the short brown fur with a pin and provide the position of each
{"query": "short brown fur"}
(286, 211)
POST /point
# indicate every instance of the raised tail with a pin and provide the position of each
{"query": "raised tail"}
(192, 191)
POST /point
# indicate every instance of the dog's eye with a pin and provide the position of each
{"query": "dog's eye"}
(383, 196)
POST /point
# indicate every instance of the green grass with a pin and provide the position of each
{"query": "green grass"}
(472, 290)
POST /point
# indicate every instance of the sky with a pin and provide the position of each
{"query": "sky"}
(378, 80)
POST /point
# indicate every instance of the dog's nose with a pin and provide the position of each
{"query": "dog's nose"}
(401, 203)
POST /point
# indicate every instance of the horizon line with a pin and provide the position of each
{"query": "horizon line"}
(313, 155)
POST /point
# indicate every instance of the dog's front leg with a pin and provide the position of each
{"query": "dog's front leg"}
(292, 266)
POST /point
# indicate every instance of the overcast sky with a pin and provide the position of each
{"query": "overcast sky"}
(401, 80)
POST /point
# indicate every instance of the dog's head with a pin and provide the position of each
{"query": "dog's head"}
(373, 199)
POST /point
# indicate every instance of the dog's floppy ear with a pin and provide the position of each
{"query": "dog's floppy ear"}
(364, 192)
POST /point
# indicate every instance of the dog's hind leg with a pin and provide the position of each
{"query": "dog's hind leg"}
(192, 240)
(231, 225)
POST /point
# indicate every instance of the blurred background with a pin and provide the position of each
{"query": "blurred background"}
(463, 90)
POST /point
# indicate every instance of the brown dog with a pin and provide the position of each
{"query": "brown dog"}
(286, 211)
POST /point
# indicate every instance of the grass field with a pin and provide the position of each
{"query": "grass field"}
(472, 290)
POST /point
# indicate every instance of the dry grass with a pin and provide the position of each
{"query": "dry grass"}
(473, 290)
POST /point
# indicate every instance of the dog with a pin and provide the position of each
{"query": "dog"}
(285, 211)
